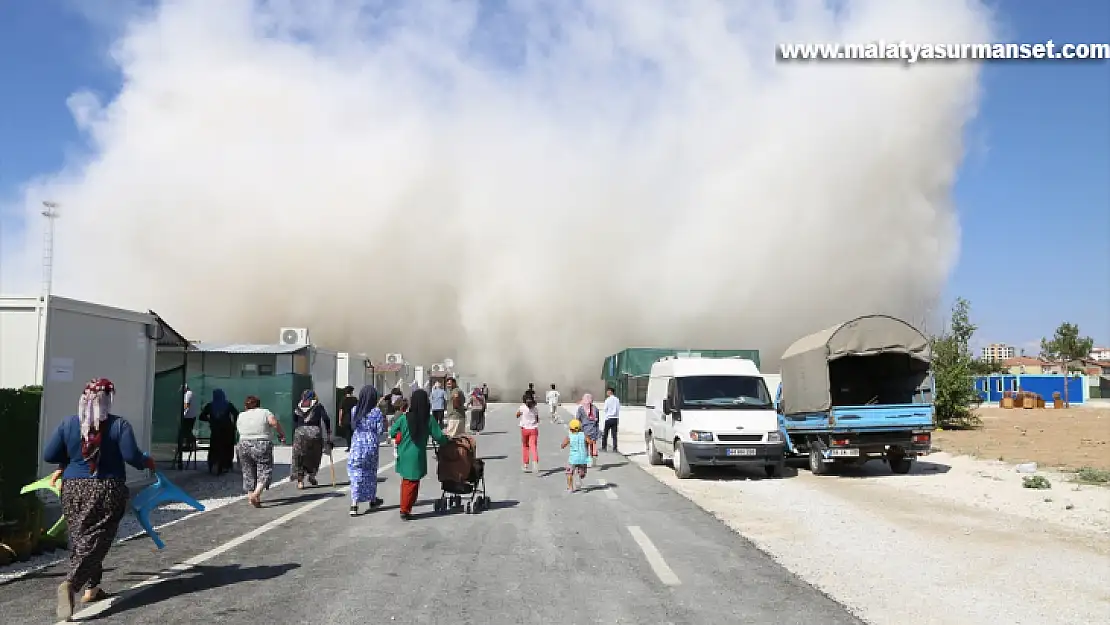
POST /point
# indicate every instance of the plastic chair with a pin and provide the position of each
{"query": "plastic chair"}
(160, 492)
(60, 527)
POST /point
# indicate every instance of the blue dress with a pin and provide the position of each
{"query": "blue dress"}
(362, 461)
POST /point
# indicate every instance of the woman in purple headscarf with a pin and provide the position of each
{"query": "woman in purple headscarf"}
(367, 428)
(310, 424)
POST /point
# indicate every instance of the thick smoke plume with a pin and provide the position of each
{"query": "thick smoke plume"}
(522, 186)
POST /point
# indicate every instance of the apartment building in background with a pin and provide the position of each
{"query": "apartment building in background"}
(1101, 354)
(997, 352)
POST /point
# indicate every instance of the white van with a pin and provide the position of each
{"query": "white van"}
(711, 412)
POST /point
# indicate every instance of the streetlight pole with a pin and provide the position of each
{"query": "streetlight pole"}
(50, 212)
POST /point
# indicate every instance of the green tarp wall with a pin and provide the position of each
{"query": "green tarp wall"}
(627, 370)
(278, 394)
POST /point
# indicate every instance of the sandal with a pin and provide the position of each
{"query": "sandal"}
(97, 594)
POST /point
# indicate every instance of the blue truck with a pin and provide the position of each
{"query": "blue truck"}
(858, 391)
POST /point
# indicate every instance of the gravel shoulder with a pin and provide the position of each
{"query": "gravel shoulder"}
(958, 541)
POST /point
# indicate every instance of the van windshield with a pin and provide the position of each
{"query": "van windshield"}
(723, 391)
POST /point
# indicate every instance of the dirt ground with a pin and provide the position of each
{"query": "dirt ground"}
(1070, 439)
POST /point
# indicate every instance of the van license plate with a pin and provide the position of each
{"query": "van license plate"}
(740, 451)
(854, 453)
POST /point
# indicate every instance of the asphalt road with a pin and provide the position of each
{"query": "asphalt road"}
(627, 550)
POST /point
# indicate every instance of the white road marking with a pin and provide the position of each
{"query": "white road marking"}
(654, 558)
(608, 489)
(174, 571)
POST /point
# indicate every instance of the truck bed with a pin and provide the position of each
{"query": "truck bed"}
(845, 419)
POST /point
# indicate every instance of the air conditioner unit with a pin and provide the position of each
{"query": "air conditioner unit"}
(293, 336)
(394, 359)
(438, 367)
(448, 363)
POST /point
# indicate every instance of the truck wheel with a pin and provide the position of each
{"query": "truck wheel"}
(681, 468)
(816, 462)
(653, 456)
(898, 462)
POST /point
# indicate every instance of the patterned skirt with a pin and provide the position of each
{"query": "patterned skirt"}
(257, 461)
(308, 448)
(93, 508)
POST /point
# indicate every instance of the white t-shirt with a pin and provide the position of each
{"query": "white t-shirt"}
(254, 424)
(612, 407)
(553, 397)
(190, 408)
(529, 418)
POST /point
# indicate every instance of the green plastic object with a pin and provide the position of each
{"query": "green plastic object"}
(61, 526)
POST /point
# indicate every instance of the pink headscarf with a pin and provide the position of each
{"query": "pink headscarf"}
(587, 404)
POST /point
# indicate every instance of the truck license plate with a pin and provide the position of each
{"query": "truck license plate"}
(854, 453)
(740, 451)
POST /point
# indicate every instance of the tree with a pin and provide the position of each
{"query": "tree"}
(953, 370)
(986, 367)
(1066, 346)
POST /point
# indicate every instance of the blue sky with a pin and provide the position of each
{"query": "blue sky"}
(1034, 191)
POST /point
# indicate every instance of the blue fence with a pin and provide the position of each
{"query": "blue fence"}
(992, 387)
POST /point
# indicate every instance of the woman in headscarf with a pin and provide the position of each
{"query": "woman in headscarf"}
(220, 415)
(587, 414)
(367, 428)
(91, 449)
(477, 411)
(310, 424)
(256, 427)
(414, 427)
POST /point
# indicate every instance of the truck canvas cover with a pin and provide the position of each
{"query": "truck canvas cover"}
(805, 364)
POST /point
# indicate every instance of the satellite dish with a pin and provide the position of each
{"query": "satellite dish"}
(447, 362)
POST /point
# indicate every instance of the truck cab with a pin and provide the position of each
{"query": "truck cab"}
(711, 412)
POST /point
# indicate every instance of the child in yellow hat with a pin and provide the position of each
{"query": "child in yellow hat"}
(579, 455)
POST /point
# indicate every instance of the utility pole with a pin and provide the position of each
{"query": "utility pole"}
(50, 212)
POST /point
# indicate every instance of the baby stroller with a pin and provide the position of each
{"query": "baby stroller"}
(460, 472)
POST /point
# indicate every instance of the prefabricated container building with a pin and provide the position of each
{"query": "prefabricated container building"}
(627, 371)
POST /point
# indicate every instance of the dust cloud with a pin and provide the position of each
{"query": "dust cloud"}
(524, 187)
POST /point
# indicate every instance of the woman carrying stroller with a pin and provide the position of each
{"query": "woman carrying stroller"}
(367, 428)
(414, 427)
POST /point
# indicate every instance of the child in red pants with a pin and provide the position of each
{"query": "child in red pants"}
(529, 418)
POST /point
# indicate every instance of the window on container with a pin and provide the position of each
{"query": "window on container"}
(249, 370)
(265, 370)
(998, 385)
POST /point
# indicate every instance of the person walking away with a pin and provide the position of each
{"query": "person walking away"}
(578, 456)
(310, 424)
(530, 393)
(220, 415)
(553, 403)
(90, 449)
(256, 427)
(439, 403)
(188, 440)
(529, 419)
(455, 415)
(477, 411)
(368, 427)
(343, 421)
(612, 408)
(414, 427)
(587, 415)
(485, 391)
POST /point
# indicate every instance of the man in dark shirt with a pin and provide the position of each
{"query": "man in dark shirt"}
(345, 407)
(530, 393)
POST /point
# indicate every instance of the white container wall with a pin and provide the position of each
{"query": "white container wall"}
(20, 350)
(85, 341)
(322, 368)
(351, 371)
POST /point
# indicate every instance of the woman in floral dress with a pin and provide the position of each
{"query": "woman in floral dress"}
(367, 428)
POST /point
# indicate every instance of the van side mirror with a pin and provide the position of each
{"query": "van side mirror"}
(666, 406)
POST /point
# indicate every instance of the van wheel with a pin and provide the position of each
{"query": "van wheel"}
(654, 457)
(774, 471)
(816, 462)
(682, 468)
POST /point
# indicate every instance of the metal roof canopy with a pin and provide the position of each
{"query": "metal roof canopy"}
(247, 348)
(805, 364)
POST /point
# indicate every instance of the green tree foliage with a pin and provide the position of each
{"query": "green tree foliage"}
(953, 370)
(986, 367)
(1066, 346)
